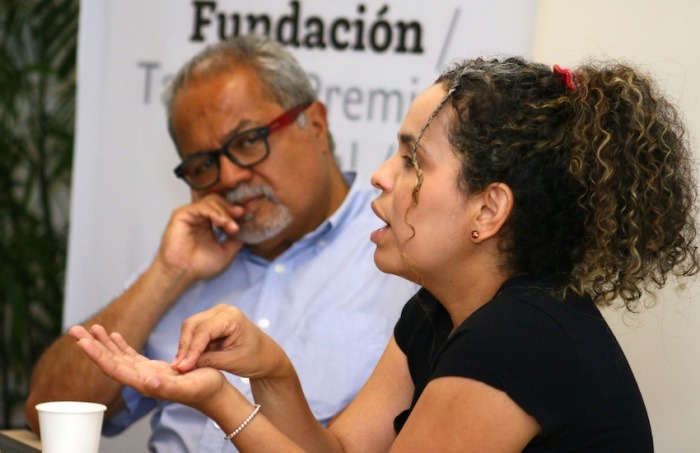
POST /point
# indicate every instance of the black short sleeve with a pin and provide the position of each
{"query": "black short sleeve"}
(519, 349)
(555, 357)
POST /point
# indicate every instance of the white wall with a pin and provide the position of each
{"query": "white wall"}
(662, 344)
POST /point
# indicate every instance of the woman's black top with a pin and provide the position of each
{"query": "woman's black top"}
(557, 359)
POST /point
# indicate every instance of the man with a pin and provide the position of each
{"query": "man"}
(274, 228)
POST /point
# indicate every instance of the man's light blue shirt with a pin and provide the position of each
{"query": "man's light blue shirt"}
(323, 300)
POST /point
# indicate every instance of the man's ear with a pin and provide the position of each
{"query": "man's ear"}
(495, 206)
(317, 121)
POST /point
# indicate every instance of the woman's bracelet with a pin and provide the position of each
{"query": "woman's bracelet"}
(244, 424)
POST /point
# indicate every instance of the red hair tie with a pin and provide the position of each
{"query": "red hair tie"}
(566, 77)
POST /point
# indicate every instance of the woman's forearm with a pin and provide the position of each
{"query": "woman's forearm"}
(284, 404)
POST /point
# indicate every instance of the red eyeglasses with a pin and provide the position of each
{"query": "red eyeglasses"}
(245, 149)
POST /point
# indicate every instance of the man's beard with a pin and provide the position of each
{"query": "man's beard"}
(253, 230)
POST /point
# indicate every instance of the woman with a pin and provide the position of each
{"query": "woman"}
(521, 199)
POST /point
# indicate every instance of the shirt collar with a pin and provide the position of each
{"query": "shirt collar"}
(327, 230)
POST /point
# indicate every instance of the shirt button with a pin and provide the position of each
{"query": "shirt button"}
(264, 323)
(279, 268)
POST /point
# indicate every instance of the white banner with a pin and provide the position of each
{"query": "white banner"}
(367, 60)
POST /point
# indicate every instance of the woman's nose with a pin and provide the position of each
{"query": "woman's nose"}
(381, 179)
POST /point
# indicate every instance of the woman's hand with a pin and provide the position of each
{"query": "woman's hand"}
(223, 338)
(152, 378)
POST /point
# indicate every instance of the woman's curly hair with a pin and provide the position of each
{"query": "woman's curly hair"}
(601, 174)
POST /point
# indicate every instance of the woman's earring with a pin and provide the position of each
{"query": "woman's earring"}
(475, 234)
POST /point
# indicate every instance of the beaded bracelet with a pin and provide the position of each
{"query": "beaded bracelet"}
(244, 424)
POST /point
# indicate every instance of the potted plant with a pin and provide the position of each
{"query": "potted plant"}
(37, 109)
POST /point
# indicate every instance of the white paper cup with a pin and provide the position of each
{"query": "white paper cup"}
(70, 426)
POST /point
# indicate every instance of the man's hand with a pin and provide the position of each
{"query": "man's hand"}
(190, 249)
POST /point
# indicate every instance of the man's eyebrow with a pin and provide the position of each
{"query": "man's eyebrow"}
(240, 127)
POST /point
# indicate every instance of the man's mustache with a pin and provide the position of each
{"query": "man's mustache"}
(244, 191)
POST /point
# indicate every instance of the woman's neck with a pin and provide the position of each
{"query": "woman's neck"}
(463, 296)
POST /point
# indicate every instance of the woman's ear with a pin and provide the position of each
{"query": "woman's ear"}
(495, 206)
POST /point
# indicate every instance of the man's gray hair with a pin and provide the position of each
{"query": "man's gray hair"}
(278, 71)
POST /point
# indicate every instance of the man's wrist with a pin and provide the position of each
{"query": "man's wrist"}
(169, 276)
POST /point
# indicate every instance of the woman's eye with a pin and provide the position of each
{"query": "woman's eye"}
(408, 161)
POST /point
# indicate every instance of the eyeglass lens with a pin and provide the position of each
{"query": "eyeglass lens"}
(245, 149)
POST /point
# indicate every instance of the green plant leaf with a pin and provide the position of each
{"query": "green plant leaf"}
(37, 113)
